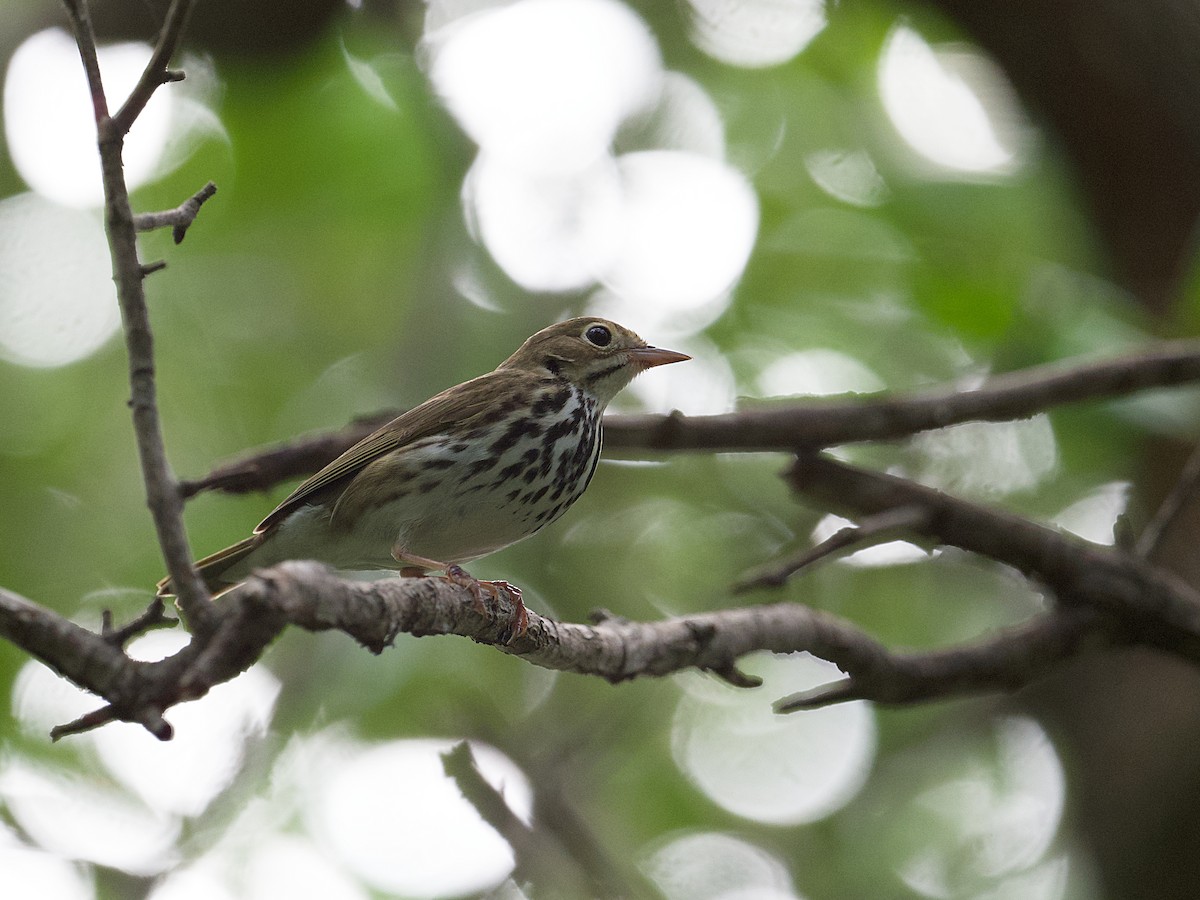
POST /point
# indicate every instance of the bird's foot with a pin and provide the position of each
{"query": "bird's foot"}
(493, 590)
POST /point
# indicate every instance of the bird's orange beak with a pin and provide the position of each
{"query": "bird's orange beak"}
(649, 357)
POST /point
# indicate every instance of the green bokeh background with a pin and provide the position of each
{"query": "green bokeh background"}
(318, 285)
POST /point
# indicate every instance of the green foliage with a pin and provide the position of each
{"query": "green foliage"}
(320, 284)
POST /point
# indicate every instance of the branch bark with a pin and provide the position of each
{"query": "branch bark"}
(1121, 601)
(179, 219)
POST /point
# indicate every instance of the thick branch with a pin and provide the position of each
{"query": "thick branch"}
(1003, 662)
(1157, 606)
(825, 423)
(310, 596)
(812, 424)
(74, 652)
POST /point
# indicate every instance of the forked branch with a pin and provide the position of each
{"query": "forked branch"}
(162, 492)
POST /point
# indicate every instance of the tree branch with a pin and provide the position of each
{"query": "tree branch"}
(308, 595)
(156, 72)
(804, 425)
(1170, 508)
(1155, 606)
(179, 219)
(873, 530)
(1003, 662)
(162, 493)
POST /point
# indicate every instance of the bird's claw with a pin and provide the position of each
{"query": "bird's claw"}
(493, 590)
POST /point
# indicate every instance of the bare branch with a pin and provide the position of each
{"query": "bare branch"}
(154, 617)
(162, 493)
(1007, 661)
(1159, 608)
(459, 764)
(873, 530)
(156, 72)
(811, 424)
(265, 468)
(85, 38)
(1111, 594)
(71, 650)
(179, 219)
(1172, 505)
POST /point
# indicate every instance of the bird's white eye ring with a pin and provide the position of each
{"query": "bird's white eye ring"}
(598, 335)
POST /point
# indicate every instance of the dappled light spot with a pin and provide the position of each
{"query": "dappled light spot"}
(1094, 516)
(544, 84)
(210, 734)
(287, 866)
(950, 105)
(712, 866)
(847, 175)
(57, 299)
(782, 770)
(688, 224)
(755, 33)
(817, 372)
(209, 742)
(983, 817)
(42, 699)
(550, 91)
(988, 458)
(685, 118)
(81, 816)
(391, 816)
(201, 881)
(41, 873)
(50, 127)
(889, 553)
(548, 231)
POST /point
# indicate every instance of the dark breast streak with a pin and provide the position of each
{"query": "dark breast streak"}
(561, 444)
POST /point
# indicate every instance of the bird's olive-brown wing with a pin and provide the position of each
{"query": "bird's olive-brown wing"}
(451, 408)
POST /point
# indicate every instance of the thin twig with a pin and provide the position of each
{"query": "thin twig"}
(1006, 661)
(459, 764)
(179, 219)
(1173, 504)
(85, 38)
(869, 532)
(162, 492)
(156, 72)
(153, 617)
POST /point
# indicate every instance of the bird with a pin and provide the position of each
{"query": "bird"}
(472, 470)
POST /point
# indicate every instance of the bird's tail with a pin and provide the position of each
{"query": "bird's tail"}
(213, 567)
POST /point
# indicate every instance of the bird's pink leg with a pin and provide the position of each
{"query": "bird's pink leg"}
(413, 565)
(417, 566)
(520, 617)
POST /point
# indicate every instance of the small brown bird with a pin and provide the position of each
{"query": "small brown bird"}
(478, 467)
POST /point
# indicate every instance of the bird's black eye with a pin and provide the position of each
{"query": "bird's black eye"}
(598, 335)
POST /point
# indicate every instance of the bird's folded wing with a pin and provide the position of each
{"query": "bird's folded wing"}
(456, 406)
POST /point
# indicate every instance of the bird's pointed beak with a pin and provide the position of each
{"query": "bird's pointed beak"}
(649, 357)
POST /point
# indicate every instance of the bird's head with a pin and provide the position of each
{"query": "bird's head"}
(596, 355)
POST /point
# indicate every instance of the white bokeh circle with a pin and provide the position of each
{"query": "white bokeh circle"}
(783, 770)
(57, 299)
